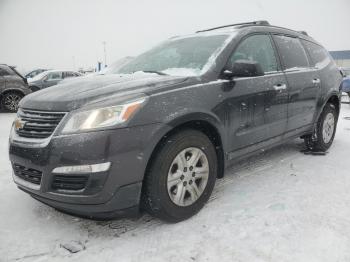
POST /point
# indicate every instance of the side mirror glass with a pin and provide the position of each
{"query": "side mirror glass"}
(244, 68)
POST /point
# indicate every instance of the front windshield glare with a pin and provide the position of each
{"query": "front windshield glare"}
(184, 56)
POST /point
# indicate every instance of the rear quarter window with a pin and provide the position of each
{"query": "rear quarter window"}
(319, 56)
(5, 71)
(292, 52)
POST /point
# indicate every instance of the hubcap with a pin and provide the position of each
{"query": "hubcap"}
(11, 102)
(188, 176)
(328, 128)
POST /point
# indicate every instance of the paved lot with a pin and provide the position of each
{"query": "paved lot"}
(279, 206)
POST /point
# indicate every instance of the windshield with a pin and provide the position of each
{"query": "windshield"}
(184, 56)
(39, 76)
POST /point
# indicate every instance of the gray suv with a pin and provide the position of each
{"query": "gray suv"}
(50, 78)
(13, 87)
(157, 133)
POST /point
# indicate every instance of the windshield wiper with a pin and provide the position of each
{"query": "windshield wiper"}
(154, 72)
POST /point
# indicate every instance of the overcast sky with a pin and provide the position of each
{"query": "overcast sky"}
(69, 33)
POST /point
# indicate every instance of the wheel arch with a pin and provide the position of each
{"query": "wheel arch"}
(333, 98)
(8, 90)
(202, 122)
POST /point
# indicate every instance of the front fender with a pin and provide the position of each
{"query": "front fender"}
(180, 118)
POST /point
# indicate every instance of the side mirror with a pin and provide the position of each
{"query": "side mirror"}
(244, 68)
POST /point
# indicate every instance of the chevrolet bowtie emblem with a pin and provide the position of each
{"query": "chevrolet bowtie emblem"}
(19, 124)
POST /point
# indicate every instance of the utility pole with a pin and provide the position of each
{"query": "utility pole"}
(105, 52)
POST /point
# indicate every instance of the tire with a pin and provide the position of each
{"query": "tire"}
(160, 197)
(324, 133)
(10, 101)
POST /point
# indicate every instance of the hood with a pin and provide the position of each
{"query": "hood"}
(77, 92)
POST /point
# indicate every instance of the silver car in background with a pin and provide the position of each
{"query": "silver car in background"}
(50, 78)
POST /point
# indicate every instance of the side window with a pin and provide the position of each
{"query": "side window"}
(69, 74)
(4, 71)
(257, 48)
(54, 76)
(292, 52)
(318, 54)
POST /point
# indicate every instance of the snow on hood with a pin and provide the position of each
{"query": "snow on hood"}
(182, 71)
(81, 91)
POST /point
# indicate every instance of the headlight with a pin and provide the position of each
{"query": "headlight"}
(101, 117)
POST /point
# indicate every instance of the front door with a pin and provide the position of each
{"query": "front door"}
(257, 105)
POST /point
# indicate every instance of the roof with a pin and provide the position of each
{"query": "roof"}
(340, 55)
(249, 24)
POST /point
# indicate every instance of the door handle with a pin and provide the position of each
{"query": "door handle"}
(280, 87)
(244, 106)
(316, 81)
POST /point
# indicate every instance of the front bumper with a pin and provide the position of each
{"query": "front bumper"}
(115, 192)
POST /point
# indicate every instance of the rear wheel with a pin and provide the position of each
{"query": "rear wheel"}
(324, 132)
(10, 101)
(181, 177)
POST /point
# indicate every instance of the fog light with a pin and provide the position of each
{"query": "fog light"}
(83, 169)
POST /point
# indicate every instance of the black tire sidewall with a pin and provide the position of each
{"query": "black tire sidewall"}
(3, 106)
(163, 206)
(320, 144)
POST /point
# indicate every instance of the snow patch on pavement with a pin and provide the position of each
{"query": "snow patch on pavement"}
(281, 205)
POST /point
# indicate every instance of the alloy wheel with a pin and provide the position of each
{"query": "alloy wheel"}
(328, 128)
(188, 176)
(11, 101)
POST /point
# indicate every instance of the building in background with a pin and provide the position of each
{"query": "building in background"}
(342, 58)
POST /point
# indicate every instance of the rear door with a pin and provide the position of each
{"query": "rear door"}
(303, 82)
(9, 77)
(322, 62)
(258, 105)
(68, 75)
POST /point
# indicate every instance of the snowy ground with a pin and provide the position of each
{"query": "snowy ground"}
(278, 206)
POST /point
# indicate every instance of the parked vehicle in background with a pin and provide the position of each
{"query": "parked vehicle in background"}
(157, 134)
(13, 87)
(346, 71)
(115, 66)
(50, 78)
(35, 72)
(345, 86)
(112, 68)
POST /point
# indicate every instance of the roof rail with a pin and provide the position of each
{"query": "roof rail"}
(304, 33)
(261, 22)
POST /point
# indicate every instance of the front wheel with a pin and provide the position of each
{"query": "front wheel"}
(181, 177)
(324, 132)
(10, 101)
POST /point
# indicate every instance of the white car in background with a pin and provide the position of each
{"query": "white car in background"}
(50, 78)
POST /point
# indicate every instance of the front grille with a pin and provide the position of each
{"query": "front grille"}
(62, 182)
(38, 124)
(28, 174)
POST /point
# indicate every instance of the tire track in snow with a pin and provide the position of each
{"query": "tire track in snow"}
(248, 167)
